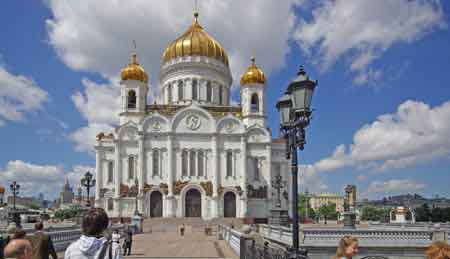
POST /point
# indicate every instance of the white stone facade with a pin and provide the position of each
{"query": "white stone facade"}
(193, 155)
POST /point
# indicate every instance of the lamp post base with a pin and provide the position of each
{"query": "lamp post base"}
(279, 217)
(349, 220)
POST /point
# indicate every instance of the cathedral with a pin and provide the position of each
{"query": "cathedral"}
(194, 154)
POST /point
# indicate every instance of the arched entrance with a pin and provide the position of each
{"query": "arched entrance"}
(156, 204)
(193, 203)
(229, 205)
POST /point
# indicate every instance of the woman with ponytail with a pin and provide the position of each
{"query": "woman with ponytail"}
(347, 248)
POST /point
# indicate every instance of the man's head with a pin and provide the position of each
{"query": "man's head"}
(95, 221)
(19, 248)
(39, 226)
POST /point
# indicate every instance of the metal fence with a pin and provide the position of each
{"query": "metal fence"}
(254, 250)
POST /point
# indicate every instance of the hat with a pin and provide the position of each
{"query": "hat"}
(11, 229)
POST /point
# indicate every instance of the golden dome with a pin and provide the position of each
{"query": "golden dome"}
(134, 71)
(2, 189)
(195, 42)
(254, 75)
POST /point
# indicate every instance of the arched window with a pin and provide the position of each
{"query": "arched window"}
(200, 162)
(229, 163)
(110, 204)
(131, 99)
(169, 93)
(192, 163)
(180, 91)
(256, 168)
(194, 89)
(254, 103)
(184, 168)
(130, 167)
(208, 91)
(110, 171)
(155, 161)
(220, 94)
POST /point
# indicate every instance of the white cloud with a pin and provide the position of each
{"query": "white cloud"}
(395, 186)
(35, 178)
(18, 95)
(363, 30)
(96, 36)
(416, 133)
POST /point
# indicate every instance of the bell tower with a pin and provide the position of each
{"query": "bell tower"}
(133, 94)
(253, 96)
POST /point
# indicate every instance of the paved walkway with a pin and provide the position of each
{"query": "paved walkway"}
(169, 244)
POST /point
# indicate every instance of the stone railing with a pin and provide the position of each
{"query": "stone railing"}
(234, 238)
(367, 237)
(62, 239)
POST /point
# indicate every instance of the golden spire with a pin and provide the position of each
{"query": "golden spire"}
(253, 75)
(134, 71)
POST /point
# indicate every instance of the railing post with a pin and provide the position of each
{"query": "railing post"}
(242, 247)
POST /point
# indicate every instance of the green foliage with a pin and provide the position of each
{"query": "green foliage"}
(68, 213)
(328, 211)
(374, 214)
(423, 213)
(34, 206)
(302, 208)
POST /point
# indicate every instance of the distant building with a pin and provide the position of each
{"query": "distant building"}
(24, 201)
(412, 201)
(401, 215)
(66, 196)
(318, 200)
(2, 194)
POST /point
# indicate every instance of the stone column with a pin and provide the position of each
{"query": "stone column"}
(170, 199)
(215, 183)
(98, 176)
(141, 166)
(243, 176)
(269, 176)
(117, 180)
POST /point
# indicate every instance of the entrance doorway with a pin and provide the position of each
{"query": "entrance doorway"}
(156, 204)
(193, 204)
(229, 205)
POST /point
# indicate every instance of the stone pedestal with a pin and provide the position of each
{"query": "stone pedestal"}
(349, 219)
(279, 217)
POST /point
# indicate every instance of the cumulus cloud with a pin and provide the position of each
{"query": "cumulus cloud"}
(96, 36)
(395, 186)
(19, 95)
(99, 104)
(416, 133)
(35, 178)
(361, 31)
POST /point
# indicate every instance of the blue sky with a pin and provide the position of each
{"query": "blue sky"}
(60, 60)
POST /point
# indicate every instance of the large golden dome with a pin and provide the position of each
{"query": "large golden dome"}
(254, 75)
(134, 71)
(195, 42)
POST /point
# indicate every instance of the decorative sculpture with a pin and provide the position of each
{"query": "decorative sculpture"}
(178, 186)
(260, 193)
(208, 187)
(124, 190)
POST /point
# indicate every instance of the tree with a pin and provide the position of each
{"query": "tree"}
(423, 213)
(328, 211)
(302, 208)
(373, 213)
(436, 215)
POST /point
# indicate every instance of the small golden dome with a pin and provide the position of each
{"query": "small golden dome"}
(195, 42)
(134, 71)
(254, 75)
(2, 189)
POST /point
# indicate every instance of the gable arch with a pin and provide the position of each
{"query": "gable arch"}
(193, 119)
(230, 124)
(128, 131)
(155, 122)
(257, 134)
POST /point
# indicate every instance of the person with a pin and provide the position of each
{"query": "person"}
(182, 230)
(42, 243)
(127, 242)
(347, 248)
(19, 248)
(438, 250)
(116, 249)
(91, 244)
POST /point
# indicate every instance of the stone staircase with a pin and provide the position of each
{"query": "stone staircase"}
(191, 224)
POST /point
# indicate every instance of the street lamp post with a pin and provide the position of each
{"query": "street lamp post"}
(88, 182)
(136, 210)
(15, 191)
(295, 115)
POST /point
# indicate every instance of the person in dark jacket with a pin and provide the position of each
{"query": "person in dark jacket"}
(127, 241)
(42, 244)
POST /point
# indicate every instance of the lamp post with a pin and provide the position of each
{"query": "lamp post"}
(15, 191)
(136, 210)
(295, 115)
(88, 182)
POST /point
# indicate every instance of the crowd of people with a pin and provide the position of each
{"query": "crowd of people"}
(96, 242)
